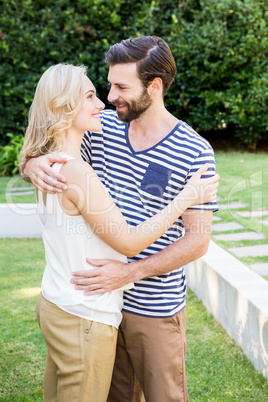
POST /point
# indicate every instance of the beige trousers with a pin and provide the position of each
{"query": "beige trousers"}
(150, 360)
(80, 355)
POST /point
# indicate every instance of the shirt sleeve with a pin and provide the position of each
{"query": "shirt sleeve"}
(206, 156)
(86, 147)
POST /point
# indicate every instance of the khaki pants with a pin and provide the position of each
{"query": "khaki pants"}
(150, 357)
(80, 355)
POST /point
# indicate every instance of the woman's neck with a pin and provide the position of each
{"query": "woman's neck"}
(73, 145)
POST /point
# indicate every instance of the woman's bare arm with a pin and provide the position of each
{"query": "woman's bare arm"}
(86, 193)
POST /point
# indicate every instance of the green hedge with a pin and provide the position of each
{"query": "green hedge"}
(221, 50)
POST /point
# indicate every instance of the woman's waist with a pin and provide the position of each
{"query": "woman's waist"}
(67, 296)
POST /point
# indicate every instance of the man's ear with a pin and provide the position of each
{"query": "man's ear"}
(156, 86)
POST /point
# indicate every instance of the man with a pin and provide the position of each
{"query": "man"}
(144, 156)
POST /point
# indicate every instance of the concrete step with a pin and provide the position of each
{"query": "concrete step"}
(259, 250)
(253, 214)
(226, 227)
(260, 268)
(239, 236)
(232, 205)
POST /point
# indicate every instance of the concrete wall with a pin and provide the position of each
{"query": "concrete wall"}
(19, 220)
(238, 299)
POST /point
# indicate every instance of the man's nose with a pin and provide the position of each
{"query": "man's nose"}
(112, 95)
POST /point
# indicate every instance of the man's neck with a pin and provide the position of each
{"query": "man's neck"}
(154, 125)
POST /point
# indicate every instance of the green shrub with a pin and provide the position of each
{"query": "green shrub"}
(37, 34)
(9, 155)
(220, 48)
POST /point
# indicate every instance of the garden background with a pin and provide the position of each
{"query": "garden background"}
(220, 47)
(221, 89)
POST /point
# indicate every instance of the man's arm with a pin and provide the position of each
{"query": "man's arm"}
(111, 275)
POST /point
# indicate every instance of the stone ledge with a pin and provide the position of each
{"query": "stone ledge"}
(238, 299)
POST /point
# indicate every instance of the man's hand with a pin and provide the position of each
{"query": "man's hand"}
(109, 275)
(43, 176)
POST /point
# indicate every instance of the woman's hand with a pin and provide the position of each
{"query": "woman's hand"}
(201, 191)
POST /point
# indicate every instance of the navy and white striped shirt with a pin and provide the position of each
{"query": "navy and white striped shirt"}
(142, 183)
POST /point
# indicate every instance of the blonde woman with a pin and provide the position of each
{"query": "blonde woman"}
(81, 331)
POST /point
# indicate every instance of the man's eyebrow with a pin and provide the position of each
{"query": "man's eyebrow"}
(121, 84)
(90, 90)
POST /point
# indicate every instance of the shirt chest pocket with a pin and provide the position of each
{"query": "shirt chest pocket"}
(155, 179)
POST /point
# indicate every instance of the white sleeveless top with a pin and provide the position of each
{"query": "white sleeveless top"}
(68, 241)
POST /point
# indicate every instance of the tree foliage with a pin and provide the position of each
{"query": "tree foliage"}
(220, 47)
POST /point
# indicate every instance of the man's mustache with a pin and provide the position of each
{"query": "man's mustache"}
(119, 103)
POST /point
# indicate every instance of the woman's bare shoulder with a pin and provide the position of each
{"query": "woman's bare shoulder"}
(74, 167)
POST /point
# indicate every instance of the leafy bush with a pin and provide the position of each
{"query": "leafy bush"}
(221, 50)
(9, 155)
(38, 34)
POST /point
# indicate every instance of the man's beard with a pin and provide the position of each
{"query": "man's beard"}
(135, 108)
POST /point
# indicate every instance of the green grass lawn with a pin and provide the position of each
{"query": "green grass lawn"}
(21, 343)
(217, 369)
(244, 178)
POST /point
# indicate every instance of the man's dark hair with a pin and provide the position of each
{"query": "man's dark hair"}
(152, 55)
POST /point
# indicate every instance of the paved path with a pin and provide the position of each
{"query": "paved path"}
(235, 232)
(240, 236)
(227, 226)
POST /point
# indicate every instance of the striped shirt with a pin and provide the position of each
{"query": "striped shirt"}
(142, 183)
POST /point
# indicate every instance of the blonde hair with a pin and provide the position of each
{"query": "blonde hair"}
(58, 98)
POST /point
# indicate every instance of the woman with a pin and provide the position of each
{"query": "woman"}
(80, 331)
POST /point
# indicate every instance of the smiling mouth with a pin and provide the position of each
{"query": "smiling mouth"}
(119, 105)
(119, 108)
